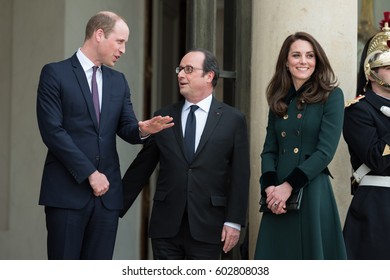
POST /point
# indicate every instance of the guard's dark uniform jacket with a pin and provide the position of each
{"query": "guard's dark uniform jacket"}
(367, 133)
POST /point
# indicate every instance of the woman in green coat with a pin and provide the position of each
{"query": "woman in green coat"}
(304, 128)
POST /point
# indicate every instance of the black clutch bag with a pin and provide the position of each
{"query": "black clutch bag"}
(292, 203)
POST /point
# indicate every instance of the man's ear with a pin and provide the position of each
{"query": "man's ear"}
(210, 76)
(99, 35)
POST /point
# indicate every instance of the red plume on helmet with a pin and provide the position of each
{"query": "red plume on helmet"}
(386, 18)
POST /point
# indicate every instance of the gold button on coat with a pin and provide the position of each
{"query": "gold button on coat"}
(296, 150)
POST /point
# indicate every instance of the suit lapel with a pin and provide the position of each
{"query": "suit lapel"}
(82, 80)
(213, 118)
(177, 128)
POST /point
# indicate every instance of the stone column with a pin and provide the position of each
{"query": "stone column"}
(201, 13)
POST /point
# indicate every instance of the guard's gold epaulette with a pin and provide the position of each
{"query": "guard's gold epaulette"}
(353, 101)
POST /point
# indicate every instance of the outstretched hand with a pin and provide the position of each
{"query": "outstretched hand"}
(154, 125)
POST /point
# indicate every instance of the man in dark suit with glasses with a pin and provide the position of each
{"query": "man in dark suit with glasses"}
(201, 196)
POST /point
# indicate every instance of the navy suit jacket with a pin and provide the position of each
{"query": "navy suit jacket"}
(213, 188)
(77, 146)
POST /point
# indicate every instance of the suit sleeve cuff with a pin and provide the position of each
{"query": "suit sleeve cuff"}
(268, 179)
(297, 179)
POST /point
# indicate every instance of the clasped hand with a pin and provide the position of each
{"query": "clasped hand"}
(277, 197)
(99, 183)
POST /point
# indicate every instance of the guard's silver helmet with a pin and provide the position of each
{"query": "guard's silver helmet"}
(378, 54)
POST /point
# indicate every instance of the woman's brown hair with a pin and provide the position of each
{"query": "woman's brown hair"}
(316, 89)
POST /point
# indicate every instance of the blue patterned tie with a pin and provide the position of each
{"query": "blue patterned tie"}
(95, 94)
(189, 136)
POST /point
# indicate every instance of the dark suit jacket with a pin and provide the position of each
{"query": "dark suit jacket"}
(213, 187)
(77, 146)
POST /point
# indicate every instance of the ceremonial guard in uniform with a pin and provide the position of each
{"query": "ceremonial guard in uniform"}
(367, 133)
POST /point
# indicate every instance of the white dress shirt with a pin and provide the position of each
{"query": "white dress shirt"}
(87, 67)
(200, 114)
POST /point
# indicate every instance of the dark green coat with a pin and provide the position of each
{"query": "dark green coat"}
(298, 149)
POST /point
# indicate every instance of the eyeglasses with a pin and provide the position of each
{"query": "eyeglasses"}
(187, 69)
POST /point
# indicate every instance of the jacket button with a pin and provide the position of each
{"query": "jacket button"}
(285, 117)
(299, 116)
(296, 150)
(283, 133)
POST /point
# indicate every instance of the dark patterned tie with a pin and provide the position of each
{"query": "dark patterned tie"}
(189, 136)
(95, 93)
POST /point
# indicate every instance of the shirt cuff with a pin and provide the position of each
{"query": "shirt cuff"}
(142, 137)
(233, 225)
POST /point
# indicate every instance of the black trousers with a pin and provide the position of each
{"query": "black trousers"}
(367, 228)
(88, 233)
(184, 247)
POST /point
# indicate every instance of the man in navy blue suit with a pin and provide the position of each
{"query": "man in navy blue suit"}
(81, 185)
